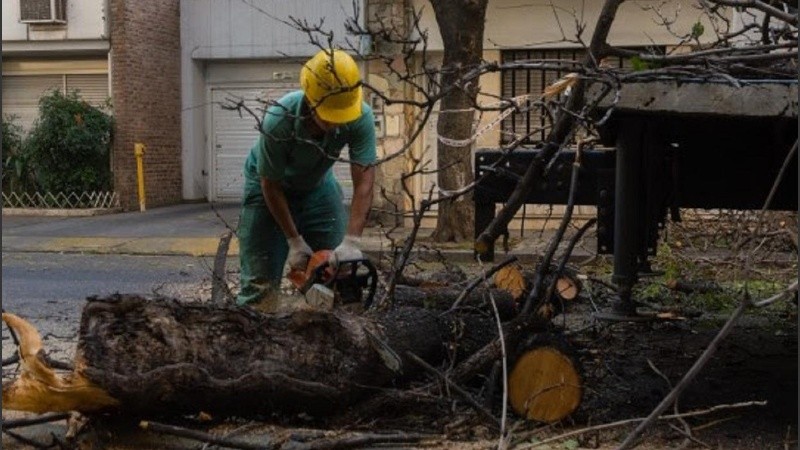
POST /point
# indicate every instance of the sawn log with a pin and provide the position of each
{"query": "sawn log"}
(164, 357)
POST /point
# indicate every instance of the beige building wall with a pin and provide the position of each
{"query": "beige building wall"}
(488, 128)
(542, 24)
(548, 23)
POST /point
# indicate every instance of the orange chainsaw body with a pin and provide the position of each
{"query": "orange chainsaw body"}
(322, 284)
(300, 277)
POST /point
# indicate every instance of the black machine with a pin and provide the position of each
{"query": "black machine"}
(662, 155)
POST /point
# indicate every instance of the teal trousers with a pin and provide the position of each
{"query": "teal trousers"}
(320, 217)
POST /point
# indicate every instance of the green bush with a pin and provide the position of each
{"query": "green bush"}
(69, 145)
(16, 171)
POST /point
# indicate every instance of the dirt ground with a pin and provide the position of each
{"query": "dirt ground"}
(756, 362)
(623, 367)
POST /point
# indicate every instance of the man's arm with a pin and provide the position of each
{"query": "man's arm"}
(278, 206)
(363, 180)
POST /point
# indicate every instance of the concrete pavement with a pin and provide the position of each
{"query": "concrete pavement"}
(185, 229)
(189, 229)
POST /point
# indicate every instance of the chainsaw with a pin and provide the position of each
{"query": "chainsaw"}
(324, 285)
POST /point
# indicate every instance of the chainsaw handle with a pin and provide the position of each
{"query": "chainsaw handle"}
(371, 276)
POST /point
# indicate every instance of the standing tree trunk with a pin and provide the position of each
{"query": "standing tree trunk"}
(461, 23)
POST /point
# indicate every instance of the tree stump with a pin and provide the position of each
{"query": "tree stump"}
(544, 383)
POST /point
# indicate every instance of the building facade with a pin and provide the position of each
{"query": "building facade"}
(47, 45)
(172, 66)
(127, 51)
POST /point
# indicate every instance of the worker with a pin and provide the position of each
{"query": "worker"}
(292, 203)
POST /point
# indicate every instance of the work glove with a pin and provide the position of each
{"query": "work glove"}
(299, 253)
(346, 251)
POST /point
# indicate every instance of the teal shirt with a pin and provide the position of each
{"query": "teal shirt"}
(286, 152)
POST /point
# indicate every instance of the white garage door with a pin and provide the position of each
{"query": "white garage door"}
(21, 93)
(234, 135)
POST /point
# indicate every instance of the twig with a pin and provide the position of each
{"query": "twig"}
(504, 360)
(360, 440)
(689, 436)
(28, 421)
(56, 364)
(31, 442)
(787, 440)
(13, 359)
(460, 391)
(544, 264)
(693, 371)
(234, 432)
(603, 282)
(780, 295)
(687, 430)
(775, 184)
(200, 436)
(219, 288)
(565, 257)
(480, 279)
(619, 423)
(714, 422)
(762, 6)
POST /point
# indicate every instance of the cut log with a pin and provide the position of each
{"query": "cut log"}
(517, 283)
(568, 287)
(164, 357)
(566, 291)
(511, 280)
(544, 384)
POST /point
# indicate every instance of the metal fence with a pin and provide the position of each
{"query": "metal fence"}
(60, 200)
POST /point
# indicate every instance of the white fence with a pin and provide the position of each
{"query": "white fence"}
(60, 200)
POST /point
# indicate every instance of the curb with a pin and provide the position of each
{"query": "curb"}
(53, 212)
(201, 246)
(207, 247)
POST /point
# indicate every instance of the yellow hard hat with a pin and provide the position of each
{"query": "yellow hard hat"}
(332, 83)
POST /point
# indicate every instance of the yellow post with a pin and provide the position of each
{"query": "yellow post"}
(138, 151)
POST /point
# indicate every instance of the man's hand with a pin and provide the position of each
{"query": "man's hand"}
(348, 250)
(299, 253)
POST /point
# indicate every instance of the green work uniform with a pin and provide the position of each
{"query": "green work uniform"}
(286, 152)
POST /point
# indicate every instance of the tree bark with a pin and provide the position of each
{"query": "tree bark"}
(164, 357)
(461, 24)
(173, 357)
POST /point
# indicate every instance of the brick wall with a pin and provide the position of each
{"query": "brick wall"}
(145, 82)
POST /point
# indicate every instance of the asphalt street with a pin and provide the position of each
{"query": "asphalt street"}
(49, 289)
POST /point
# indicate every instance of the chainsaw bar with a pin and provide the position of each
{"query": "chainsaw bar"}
(349, 277)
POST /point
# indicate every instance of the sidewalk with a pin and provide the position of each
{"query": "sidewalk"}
(186, 229)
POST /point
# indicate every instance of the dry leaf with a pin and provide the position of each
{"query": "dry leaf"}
(561, 85)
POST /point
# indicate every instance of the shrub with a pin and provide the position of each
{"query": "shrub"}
(69, 145)
(16, 170)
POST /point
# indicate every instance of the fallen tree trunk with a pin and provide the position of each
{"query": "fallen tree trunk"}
(234, 360)
(167, 357)
(162, 357)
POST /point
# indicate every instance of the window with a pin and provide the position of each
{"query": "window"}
(529, 81)
(43, 11)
